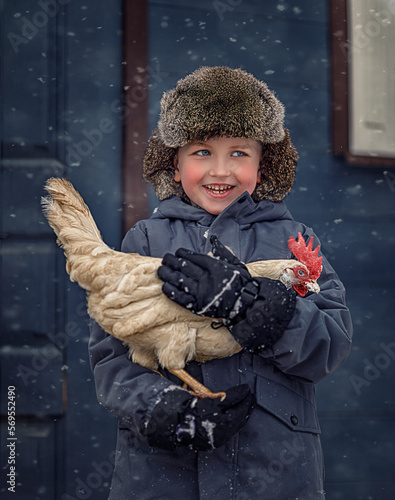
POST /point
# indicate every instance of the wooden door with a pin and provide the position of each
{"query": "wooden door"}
(55, 90)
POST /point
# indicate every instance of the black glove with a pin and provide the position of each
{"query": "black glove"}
(264, 322)
(256, 310)
(208, 286)
(259, 317)
(179, 419)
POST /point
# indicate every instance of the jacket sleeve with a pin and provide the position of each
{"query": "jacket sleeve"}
(126, 389)
(318, 337)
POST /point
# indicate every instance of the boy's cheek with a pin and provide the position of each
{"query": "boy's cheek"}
(192, 176)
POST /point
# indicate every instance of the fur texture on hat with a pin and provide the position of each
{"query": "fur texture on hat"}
(221, 102)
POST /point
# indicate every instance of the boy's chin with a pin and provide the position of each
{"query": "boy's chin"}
(215, 208)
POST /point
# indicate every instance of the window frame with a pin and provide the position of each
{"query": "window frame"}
(340, 87)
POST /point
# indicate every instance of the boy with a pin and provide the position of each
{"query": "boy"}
(221, 164)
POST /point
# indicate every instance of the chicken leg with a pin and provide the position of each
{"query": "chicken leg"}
(198, 389)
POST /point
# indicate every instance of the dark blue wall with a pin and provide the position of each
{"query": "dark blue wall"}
(352, 209)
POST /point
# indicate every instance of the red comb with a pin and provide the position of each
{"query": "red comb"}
(306, 255)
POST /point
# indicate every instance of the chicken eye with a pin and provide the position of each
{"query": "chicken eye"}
(301, 273)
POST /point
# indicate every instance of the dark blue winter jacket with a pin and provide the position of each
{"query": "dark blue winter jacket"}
(277, 454)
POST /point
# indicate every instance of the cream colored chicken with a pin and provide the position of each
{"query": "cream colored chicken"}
(125, 294)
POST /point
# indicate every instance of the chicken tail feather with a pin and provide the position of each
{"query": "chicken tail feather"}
(71, 220)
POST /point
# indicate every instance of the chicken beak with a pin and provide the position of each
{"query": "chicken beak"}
(312, 286)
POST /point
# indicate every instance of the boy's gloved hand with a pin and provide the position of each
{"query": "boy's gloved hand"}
(256, 311)
(179, 419)
(207, 286)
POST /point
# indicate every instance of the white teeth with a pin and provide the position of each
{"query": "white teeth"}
(218, 189)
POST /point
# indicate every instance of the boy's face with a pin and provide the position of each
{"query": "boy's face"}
(215, 173)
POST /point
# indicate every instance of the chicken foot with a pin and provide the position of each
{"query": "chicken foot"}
(198, 389)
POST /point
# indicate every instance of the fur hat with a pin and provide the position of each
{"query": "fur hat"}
(221, 102)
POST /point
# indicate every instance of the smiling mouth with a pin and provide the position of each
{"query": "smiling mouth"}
(213, 188)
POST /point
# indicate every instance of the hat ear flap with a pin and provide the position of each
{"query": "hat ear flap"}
(159, 171)
(278, 164)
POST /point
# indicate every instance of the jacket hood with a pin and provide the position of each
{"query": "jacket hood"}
(215, 102)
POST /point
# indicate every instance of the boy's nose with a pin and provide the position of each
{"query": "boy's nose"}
(220, 168)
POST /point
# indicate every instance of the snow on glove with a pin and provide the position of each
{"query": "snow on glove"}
(263, 323)
(208, 286)
(258, 321)
(179, 419)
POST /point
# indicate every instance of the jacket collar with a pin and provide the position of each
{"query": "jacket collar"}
(244, 210)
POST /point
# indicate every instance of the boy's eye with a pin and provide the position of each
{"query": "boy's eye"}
(238, 153)
(202, 152)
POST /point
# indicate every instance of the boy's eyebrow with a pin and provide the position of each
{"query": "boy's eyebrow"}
(241, 146)
(198, 143)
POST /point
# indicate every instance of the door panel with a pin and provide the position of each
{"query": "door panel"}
(29, 272)
(31, 358)
(37, 472)
(32, 55)
(60, 76)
